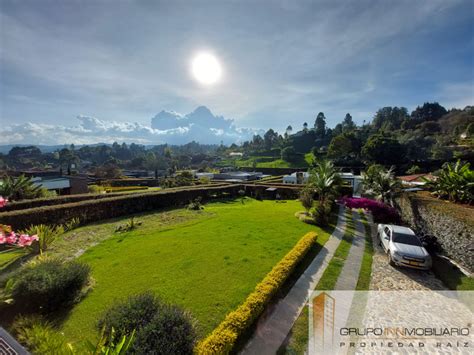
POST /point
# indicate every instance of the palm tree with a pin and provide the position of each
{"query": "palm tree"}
(19, 188)
(325, 181)
(381, 183)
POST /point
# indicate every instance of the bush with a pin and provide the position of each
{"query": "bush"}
(170, 331)
(159, 328)
(306, 198)
(196, 204)
(48, 284)
(96, 189)
(381, 212)
(223, 339)
(46, 234)
(39, 336)
(129, 315)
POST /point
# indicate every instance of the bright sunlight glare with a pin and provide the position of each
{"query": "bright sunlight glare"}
(206, 68)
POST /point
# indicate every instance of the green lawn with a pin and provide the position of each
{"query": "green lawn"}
(7, 257)
(207, 261)
(268, 162)
(365, 273)
(298, 337)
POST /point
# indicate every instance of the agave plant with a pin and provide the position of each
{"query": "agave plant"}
(19, 188)
(454, 182)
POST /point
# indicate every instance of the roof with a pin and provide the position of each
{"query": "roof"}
(401, 229)
(416, 177)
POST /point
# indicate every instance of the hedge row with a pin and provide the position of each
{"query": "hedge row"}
(99, 209)
(61, 200)
(224, 338)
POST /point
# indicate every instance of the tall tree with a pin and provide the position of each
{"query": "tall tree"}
(270, 138)
(348, 124)
(428, 112)
(320, 125)
(305, 127)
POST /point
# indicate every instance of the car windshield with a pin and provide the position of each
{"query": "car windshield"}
(406, 239)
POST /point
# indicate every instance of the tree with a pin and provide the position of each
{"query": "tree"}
(390, 118)
(305, 127)
(348, 124)
(20, 188)
(325, 181)
(320, 126)
(381, 183)
(345, 145)
(288, 131)
(428, 112)
(270, 138)
(288, 154)
(383, 150)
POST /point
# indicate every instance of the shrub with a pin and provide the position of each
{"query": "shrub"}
(47, 284)
(223, 339)
(46, 234)
(170, 331)
(129, 226)
(96, 189)
(455, 182)
(381, 212)
(159, 328)
(72, 224)
(40, 337)
(306, 198)
(195, 204)
(321, 213)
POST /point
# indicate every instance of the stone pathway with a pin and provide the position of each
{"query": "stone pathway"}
(387, 278)
(272, 330)
(350, 272)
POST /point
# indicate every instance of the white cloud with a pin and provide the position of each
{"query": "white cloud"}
(167, 127)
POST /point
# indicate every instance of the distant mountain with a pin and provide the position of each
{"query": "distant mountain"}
(169, 127)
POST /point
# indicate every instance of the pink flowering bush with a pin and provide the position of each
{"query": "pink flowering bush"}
(8, 238)
(3, 201)
(381, 212)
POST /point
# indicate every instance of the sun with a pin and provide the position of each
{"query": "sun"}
(206, 68)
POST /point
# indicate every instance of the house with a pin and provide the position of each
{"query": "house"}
(300, 177)
(238, 176)
(416, 179)
(355, 181)
(63, 185)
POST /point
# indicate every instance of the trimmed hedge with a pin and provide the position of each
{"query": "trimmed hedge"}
(96, 210)
(60, 200)
(224, 338)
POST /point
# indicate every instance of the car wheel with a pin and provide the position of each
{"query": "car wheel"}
(390, 261)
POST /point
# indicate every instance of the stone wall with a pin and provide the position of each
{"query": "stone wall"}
(447, 226)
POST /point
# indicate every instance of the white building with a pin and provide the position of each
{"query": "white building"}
(355, 181)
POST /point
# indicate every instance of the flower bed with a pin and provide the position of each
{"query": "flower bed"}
(381, 212)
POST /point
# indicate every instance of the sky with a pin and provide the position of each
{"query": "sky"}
(95, 71)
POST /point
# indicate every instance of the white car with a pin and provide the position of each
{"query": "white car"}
(403, 247)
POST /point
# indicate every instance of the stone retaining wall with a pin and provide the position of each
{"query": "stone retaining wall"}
(450, 226)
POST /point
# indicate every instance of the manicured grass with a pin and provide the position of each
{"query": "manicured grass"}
(206, 262)
(268, 162)
(298, 337)
(366, 266)
(333, 270)
(451, 276)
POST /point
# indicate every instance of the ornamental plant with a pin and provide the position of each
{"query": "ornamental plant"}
(9, 238)
(382, 213)
(3, 201)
